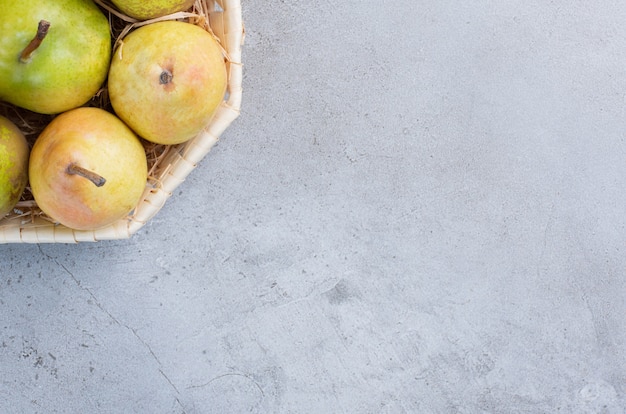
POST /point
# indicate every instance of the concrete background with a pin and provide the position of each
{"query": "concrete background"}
(420, 210)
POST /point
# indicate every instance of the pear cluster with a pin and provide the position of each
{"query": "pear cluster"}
(88, 167)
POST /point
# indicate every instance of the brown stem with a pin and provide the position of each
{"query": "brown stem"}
(74, 169)
(42, 31)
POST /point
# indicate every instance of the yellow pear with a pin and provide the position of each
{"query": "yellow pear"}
(87, 169)
(149, 9)
(166, 81)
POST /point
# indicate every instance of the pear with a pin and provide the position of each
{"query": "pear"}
(54, 54)
(13, 165)
(150, 9)
(166, 81)
(87, 169)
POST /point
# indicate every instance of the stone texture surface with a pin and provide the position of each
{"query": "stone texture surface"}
(420, 210)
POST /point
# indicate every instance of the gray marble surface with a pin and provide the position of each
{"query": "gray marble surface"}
(420, 210)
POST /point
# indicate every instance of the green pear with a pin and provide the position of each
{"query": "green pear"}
(166, 81)
(150, 9)
(13, 165)
(54, 54)
(87, 169)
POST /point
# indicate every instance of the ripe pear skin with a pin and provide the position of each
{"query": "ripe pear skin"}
(150, 9)
(166, 81)
(13, 165)
(71, 62)
(97, 142)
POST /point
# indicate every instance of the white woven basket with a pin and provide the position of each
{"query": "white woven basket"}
(27, 224)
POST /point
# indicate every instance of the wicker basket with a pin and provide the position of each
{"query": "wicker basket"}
(27, 224)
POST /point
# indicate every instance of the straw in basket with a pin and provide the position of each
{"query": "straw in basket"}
(169, 165)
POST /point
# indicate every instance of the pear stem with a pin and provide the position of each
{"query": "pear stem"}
(42, 31)
(96, 179)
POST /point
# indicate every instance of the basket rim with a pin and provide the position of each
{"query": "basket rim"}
(226, 23)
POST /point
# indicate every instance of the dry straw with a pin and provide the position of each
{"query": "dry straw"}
(169, 165)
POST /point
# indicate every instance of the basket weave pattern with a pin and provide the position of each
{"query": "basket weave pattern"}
(175, 162)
